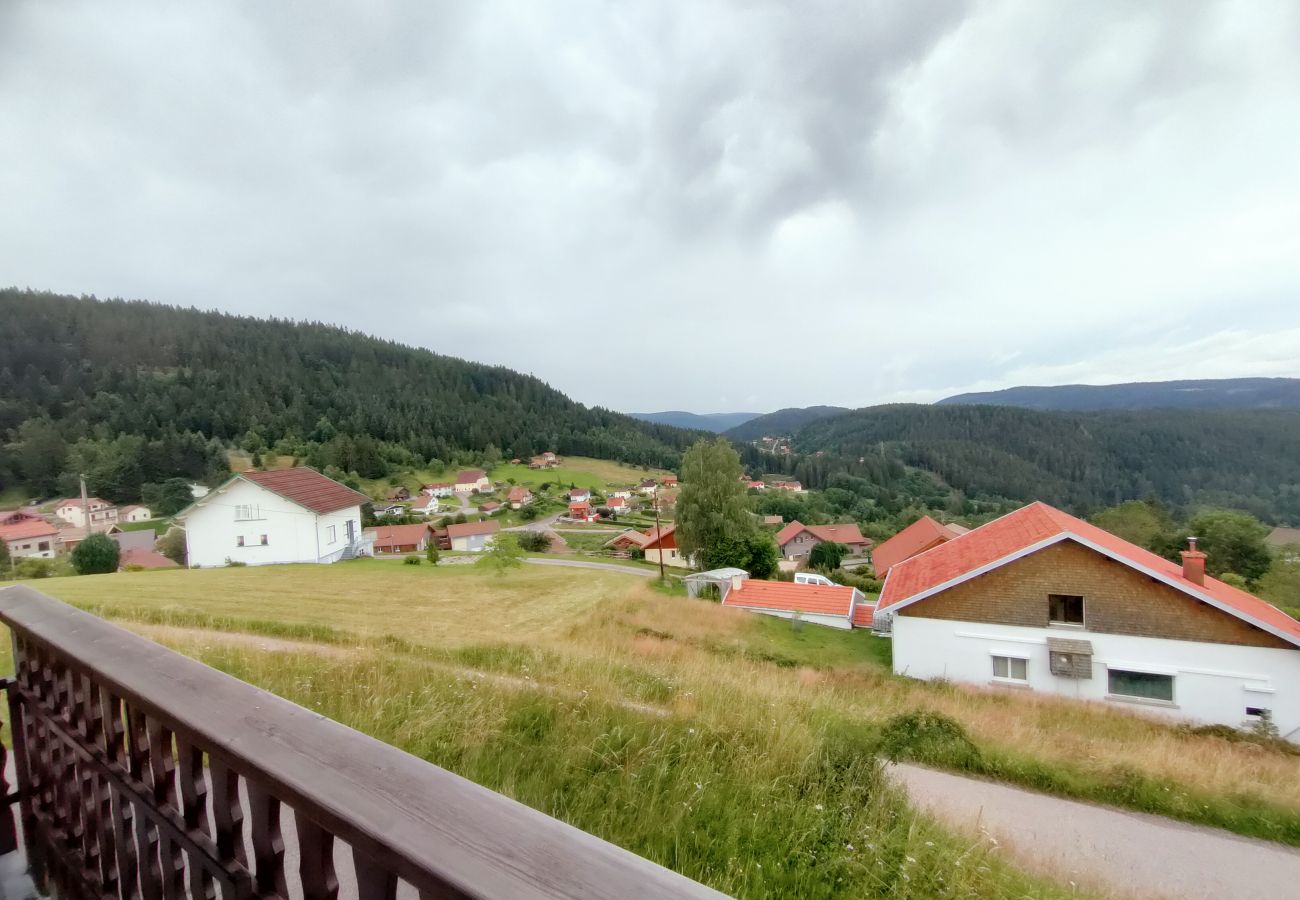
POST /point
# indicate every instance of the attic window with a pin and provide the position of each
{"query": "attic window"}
(1064, 609)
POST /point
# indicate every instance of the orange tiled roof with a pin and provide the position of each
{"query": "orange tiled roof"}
(991, 545)
(815, 599)
(470, 528)
(918, 537)
(398, 535)
(27, 528)
(846, 533)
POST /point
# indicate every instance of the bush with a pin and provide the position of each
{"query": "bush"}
(33, 568)
(172, 545)
(862, 582)
(431, 554)
(412, 560)
(235, 563)
(928, 737)
(96, 555)
(133, 567)
(534, 541)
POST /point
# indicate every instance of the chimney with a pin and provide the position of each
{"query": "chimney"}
(737, 582)
(1193, 563)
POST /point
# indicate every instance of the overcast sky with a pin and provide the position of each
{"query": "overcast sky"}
(704, 205)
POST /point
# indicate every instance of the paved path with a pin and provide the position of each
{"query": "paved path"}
(583, 564)
(1131, 853)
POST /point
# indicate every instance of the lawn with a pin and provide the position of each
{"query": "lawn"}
(595, 474)
(705, 738)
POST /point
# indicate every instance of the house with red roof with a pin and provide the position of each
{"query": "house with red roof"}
(581, 511)
(916, 538)
(617, 505)
(489, 507)
(25, 535)
(400, 538)
(292, 515)
(836, 606)
(661, 544)
(472, 481)
(472, 537)
(579, 495)
(796, 540)
(1040, 600)
(74, 511)
(439, 489)
(519, 497)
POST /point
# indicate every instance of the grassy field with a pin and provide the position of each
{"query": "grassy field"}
(595, 474)
(707, 739)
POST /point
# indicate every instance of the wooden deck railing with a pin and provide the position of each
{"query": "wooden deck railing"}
(145, 775)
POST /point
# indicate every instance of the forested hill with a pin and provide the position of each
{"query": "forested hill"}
(1246, 459)
(1221, 393)
(76, 369)
(782, 422)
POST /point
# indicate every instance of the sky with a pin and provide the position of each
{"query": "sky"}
(708, 206)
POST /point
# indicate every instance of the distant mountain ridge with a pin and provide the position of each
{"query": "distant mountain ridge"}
(1216, 393)
(782, 422)
(715, 422)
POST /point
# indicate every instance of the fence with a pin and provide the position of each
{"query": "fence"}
(145, 775)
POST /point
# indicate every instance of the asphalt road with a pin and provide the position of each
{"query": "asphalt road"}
(1133, 854)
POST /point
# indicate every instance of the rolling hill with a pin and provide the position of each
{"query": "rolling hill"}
(782, 422)
(1224, 393)
(715, 422)
(1081, 460)
(131, 392)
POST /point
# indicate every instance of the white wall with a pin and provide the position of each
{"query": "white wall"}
(29, 548)
(294, 534)
(840, 622)
(472, 543)
(1212, 682)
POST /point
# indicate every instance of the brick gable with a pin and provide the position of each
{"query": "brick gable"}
(1117, 600)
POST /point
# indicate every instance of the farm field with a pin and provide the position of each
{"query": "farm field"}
(596, 474)
(733, 748)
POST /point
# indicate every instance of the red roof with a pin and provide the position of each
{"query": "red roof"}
(579, 506)
(426, 502)
(491, 504)
(816, 599)
(661, 538)
(863, 613)
(579, 492)
(616, 502)
(470, 528)
(27, 528)
(470, 476)
(145, 559)
(916, 538)
(518, 494)
(398, 535)
(846, 533)
(307, 487)
(1005, 539)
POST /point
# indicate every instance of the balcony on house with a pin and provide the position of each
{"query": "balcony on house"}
(141, 773)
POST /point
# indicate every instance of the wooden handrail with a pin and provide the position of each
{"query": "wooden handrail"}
(113, 717)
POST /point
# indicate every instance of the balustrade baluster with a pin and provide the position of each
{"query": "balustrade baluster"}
(120, 810)
(268, 841)
(146, 835)
(374, 882)
(316, 860)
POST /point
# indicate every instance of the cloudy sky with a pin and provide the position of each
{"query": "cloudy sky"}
(704, 205)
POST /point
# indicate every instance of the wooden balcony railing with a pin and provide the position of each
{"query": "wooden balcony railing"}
(144, 775)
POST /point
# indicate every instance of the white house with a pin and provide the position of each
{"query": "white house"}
(623, 493)
(1039, 600)
(472, 481)
(425, 505)
(439, 489)
(579, 495)
(472, 537)
(134, 513)
(284, 516)
(26, 535)
(74, 511)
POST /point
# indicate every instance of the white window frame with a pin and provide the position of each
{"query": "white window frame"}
(1144, 701)
(248, 512)
(1011, 659)
(333, 533)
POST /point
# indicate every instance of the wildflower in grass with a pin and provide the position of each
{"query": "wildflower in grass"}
(819, 807)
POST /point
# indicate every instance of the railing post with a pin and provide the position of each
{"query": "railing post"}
(19, 728)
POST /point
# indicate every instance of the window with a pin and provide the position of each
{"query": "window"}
(333, 533)
(1064, 609)
(239, 541)
(1010, 668)
(1141, 685)
(246, 511)
(1258, 712)
(263, 541)
(43, 546)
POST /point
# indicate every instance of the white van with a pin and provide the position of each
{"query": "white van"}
(812, 578)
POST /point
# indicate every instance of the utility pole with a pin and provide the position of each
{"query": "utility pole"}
(658, 531)
(85, 504)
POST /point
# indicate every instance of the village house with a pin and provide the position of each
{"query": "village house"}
(472, 537)
(398, 494)
(519, 497)
(661, 544)
(1042, 601)
(624, 493)
(282, 516)
(134, 513)
(647, 487)
(922, 535)
(669, 481)
(617, 506)
(392, 509)
(773, 520)
(425, 505)
(579, 495)
(74, 512)
(27, 536)
(491, 507)
(796, 540)
(472, 481)
(390, 539)
(439, 489)
(794, 486)
(582, 511)
(628, 540)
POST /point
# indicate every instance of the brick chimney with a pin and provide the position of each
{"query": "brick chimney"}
(1193, 563)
